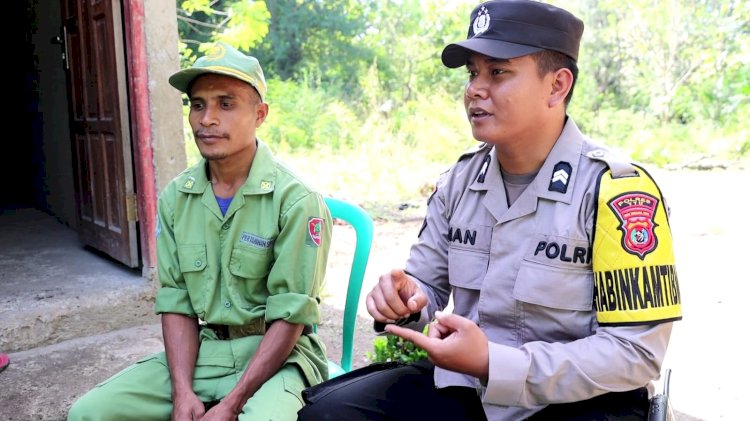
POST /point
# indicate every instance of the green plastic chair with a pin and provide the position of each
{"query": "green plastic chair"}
(361, 221)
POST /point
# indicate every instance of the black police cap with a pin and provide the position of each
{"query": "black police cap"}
(513, 28)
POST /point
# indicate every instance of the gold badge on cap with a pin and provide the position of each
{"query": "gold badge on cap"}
(216, 52)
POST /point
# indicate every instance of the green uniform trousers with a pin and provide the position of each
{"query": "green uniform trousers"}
(143, 391)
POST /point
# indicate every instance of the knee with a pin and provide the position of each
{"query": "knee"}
(321, 411)
(85, 408)
(309, 412)
(98, 404)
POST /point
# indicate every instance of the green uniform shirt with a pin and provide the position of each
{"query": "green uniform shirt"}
(265, 258)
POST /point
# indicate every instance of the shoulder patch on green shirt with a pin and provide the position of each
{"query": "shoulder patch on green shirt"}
(314, 231)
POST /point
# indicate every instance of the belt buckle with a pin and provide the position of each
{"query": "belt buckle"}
(221, 331)
(254, 327)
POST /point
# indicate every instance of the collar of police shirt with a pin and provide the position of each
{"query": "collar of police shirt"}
(516, 184)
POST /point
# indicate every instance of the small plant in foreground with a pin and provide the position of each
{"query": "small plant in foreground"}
(394, 348)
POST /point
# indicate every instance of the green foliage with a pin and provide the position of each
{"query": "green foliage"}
(357, 89)
(192, 153)
(391, 348)
(247, 26)
(378, 157)
(305, 118)
(679, 61)
(316, 41)
(243, 24)
(407, 36)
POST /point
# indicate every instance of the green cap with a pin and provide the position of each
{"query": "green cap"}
(223, 59)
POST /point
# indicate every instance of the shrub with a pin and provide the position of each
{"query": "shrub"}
(394, 348)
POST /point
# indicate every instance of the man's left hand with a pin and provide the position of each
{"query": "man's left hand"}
(452, 342)
(221, 412)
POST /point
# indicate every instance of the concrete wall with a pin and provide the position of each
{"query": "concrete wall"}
(166, 103)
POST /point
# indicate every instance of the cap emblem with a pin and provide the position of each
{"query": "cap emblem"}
(216, 52)
(482, 21)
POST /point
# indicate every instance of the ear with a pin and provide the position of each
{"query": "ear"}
(562, 83)
(261, 112)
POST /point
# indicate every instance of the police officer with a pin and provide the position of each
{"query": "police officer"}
(556, 254)
(242, 246)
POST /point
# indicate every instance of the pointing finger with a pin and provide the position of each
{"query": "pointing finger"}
(417, 338)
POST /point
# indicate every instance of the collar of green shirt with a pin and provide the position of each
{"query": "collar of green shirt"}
(261, 179)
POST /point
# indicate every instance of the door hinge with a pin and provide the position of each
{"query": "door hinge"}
(131, 203)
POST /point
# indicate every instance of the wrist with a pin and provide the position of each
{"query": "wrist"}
(181, 390)
(235, 401)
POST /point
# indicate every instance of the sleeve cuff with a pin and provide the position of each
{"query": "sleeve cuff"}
(509, 368)
(173, 300)
(293, 308)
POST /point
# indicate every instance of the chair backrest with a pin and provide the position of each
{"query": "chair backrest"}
(361, 221)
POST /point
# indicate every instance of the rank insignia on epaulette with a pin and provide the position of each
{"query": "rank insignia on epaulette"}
(560, 177)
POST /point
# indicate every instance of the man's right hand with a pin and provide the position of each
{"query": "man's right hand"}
(187, 407)
(395, 296)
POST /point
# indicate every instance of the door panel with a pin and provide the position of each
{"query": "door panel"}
(101, 143)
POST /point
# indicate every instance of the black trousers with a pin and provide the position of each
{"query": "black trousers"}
(395, 391)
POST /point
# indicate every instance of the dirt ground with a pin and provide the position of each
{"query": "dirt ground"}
(707, 354)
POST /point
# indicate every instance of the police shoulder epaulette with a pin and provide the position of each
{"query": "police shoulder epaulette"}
(474, 150)
(617, 165)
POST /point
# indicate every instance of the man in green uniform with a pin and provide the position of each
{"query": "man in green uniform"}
(242, 246)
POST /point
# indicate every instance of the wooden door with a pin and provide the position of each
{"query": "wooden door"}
(95, 61)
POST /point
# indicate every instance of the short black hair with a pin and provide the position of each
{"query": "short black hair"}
(550, 61)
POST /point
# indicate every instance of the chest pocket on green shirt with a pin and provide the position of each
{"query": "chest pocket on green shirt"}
(192, 257)
(250, 262)
(193, 262)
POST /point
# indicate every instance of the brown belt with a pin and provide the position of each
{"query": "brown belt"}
(255, 327)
